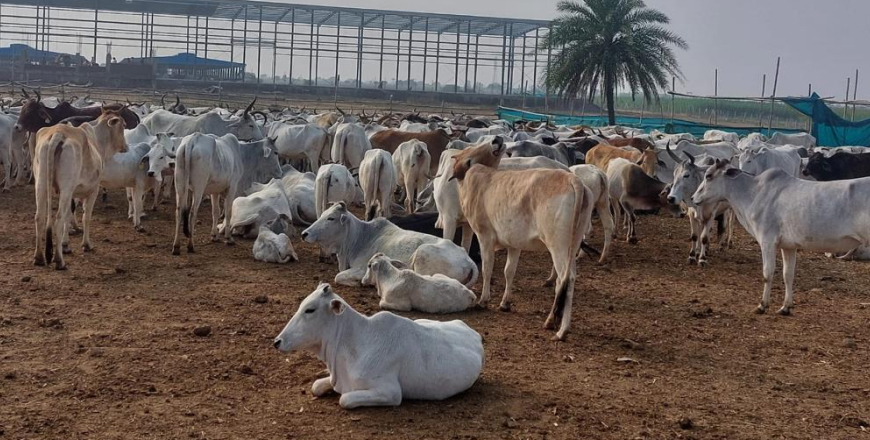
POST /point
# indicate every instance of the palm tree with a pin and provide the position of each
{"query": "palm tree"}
(610, 43)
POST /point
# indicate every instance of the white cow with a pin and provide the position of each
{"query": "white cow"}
(377, 177)
(475, 135)
(12, 151)
(719, 135)
(380, 360)
(800, 139)
(596, 180)
(265, 203)
(404, 290)
(244, 128)
(273, 243)
(355, 241)
(758, 161)
(301, 141)
(349, 145)
(334, 183)
(216, 166)
(299, 188)
(412, 160)
(784, 213)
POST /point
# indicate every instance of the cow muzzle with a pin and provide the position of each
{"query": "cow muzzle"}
(150, 173)
(277, 344)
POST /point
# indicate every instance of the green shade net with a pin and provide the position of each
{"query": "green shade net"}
(829, 129)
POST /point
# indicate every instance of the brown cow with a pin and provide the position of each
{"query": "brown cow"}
(601, 155)
(69, 161)
(436, 142)
(631, 188)
(534, 210)
(639, 143)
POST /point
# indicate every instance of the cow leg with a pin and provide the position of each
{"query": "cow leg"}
(730, 228)
(74, 222)
(167, 187)
(487, 256)
(87, 217)
(467, 236)
(137, 204)
(564, 299)
(706, 229)
(615, 208)
(391, 304)
(382, 393)
(129, 192)
(60, 225)
(551, 280)
(321, 386)
(179, 214)
(630, 218)
(105, 195)
(228, 213)
(510, 269)
(768, 267)
(215, 216)
(449, 228)
(194, 210)
(694, 226)
(609, 228)
(789, 259)
(41, 220)
(350, 277)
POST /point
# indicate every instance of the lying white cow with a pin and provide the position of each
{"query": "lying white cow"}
(273, 243)
(412, 160)
(377, 177)
(380, 360)
(404, 290)
(355, 241)
(719, 135)
(265, 203)
(784, 213)
(299, 188)
(800, 139)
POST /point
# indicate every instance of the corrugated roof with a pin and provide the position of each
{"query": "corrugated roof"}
(18, 51)
(306, 14)
(185, 59)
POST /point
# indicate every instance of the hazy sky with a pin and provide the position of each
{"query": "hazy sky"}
(820, 41)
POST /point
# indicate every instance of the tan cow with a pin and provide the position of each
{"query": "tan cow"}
(534, 210)
(436, 142)
(601, 155)
(69, 161)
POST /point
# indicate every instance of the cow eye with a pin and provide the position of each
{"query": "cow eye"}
(708, 177)
(311, 310)
(331, 219)
(686, 176)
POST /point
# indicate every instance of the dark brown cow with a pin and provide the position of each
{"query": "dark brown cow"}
(35, 115)
(436, 142)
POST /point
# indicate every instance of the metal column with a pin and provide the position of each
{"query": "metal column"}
(96, 18)
(410, 47)
(503, 58)
(476, 52)
(311, 50)
(259, 44)
(381, 66)
(456, 69)
(425, 52)
(292, 44)
(467, 55)
(245, 45)
(437, 60)
(359, 45)
(337, 46)
(535, 69)
(398, 55)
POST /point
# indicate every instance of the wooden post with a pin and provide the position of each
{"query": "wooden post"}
(761, 109)
(673, 97)
(855, 95)
(772, 98)
(846, 101)
(716, 101)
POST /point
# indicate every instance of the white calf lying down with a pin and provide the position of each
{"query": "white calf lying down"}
(355, 241)
(380, 360)
(403, 290)
(273, 243)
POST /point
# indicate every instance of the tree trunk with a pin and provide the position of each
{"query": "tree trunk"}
(609, 84)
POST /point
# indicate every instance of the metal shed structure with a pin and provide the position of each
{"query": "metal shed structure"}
(291, 44)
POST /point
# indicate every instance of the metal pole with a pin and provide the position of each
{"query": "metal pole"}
(456, 70)
(855, 95)
(274, 52)
(381, 65)
(259, 44)
(359, 45)
(503, 58)
(317, 58)
(206, 37)
(547, 84)
(292, 44)
(523, 65)
(311, 50)
(425, 52)
(535, 68)
(467, 50)
(232, 40)
(337, 48)
(410, 46)
(848, 89)
(245, 44)
(437, 60)
(673, 97)
(96, 18)
(761, 110)
(398, 55)
(476, 52)
(716, 101)
(773, 96)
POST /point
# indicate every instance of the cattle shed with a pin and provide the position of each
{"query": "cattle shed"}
(283, 43)
(188, 65)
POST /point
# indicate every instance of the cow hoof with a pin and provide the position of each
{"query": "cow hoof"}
(760, 310)
(65, 249)
(550, 324)
(39, 261)
(60, 266)
(87, 248)
(191, 250)
(784, 311)
(215, 239)
(505, 307)
(692, 260)
(548, 283)
(632, 240)
(231, 242)
(479, 306)
(176, 250)
(139, 229)
(702, 263)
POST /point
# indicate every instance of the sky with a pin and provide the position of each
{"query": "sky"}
(821, 42)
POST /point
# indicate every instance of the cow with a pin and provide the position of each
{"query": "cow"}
(273, 243)
(535, 210)
(380, 360)
(263, 204)
(299, 188)
(127, 170)
(334, 183)
(349, 145)
(436, 142)
(12, 151)
(216, 166)
(596, 180)
(602, 155)
(773, 208)
(721, 136)
(840, 166)
(425, 221)
(476, 135)
(377, 177)
(758, 161)
(69, 161)
(34, 115)
(412, 163)
(355, 241)
(800, 139)
(244, 129)
(638, 143)
(301, 141)
(631, 188)
(687, 177)
(561, 152)
(403, 290)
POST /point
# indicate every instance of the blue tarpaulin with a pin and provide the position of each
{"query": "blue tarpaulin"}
(829, 129)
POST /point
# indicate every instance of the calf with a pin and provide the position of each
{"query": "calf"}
(404, 290)
(772, 207)
(631, 188)
(273, 244)
(412, 163)
(377, 176)
(69, 161)
(534, 210)
(355, 241)
(840, 166)
(380, 360)
(216, 166)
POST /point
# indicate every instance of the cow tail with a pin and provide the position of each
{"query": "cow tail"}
(321, 194)
(182, 184)
(582, 209)
(47, 158)
(372, 189)
(338, 147)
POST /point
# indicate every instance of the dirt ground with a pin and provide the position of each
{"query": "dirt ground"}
(106, 350)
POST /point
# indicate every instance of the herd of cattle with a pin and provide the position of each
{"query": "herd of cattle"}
(521, 186)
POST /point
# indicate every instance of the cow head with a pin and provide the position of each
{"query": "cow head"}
(109, 131)
(246, 127)
(714, 188)
(318, 314)
(331, 228)
(488, 154)
(687, 177)
(817, 166)
(160, 157)
(34, 115)
(649, 161)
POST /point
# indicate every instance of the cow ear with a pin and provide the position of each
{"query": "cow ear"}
(343, 219)
(336, 307)
(267, 151)
(732, 172)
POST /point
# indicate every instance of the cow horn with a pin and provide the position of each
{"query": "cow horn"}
(691, 158)
(26, 95)
(177, 100)
(341, 111)
(251, 106)
(38, 95)
(671, 153)
(163, 101)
